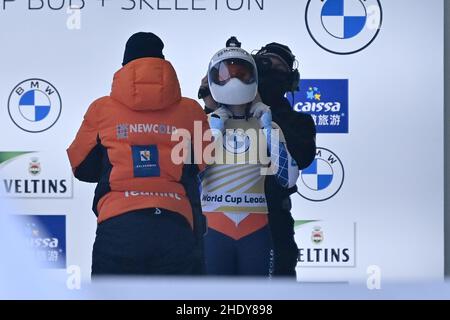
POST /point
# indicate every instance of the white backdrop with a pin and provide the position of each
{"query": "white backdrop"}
(389, 210)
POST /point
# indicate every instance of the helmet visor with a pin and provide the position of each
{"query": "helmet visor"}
(225, 70)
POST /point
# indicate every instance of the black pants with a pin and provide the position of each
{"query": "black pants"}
(144, 242)
(282, 228)
(286, 250)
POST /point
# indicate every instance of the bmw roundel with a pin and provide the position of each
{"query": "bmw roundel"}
(236, 141)
(34, 105)
(343, 26)
(323, 179)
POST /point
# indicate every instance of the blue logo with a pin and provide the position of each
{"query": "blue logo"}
(236, 141)
(323, 179)
(344, 19)
(343, 26)
(145, 161)
(46, 236)
(327, 103)
(318, 176)
(34, 105)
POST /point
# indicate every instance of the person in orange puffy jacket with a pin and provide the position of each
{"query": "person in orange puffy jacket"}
(146, 203)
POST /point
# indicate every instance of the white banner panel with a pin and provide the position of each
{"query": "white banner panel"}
(373, 81)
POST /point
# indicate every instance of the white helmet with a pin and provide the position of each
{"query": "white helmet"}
(233, 76)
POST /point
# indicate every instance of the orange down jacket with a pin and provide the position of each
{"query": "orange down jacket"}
(124, 143)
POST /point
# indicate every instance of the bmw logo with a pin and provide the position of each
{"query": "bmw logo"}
(323, 179)
(34, 105)
(236, 141)
(343, 26)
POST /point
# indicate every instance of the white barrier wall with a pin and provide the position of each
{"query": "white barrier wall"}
(373, 80)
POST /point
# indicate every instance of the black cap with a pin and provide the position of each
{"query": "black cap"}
(281, 50)
(143, 45)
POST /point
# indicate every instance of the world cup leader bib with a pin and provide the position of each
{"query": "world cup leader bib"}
(235, 182)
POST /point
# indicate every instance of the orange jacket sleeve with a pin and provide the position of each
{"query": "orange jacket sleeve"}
(85, 151)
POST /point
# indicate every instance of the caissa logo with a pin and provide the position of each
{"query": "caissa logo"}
(34, 105)
(38, 239)
(343, 26)
(326, 100)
